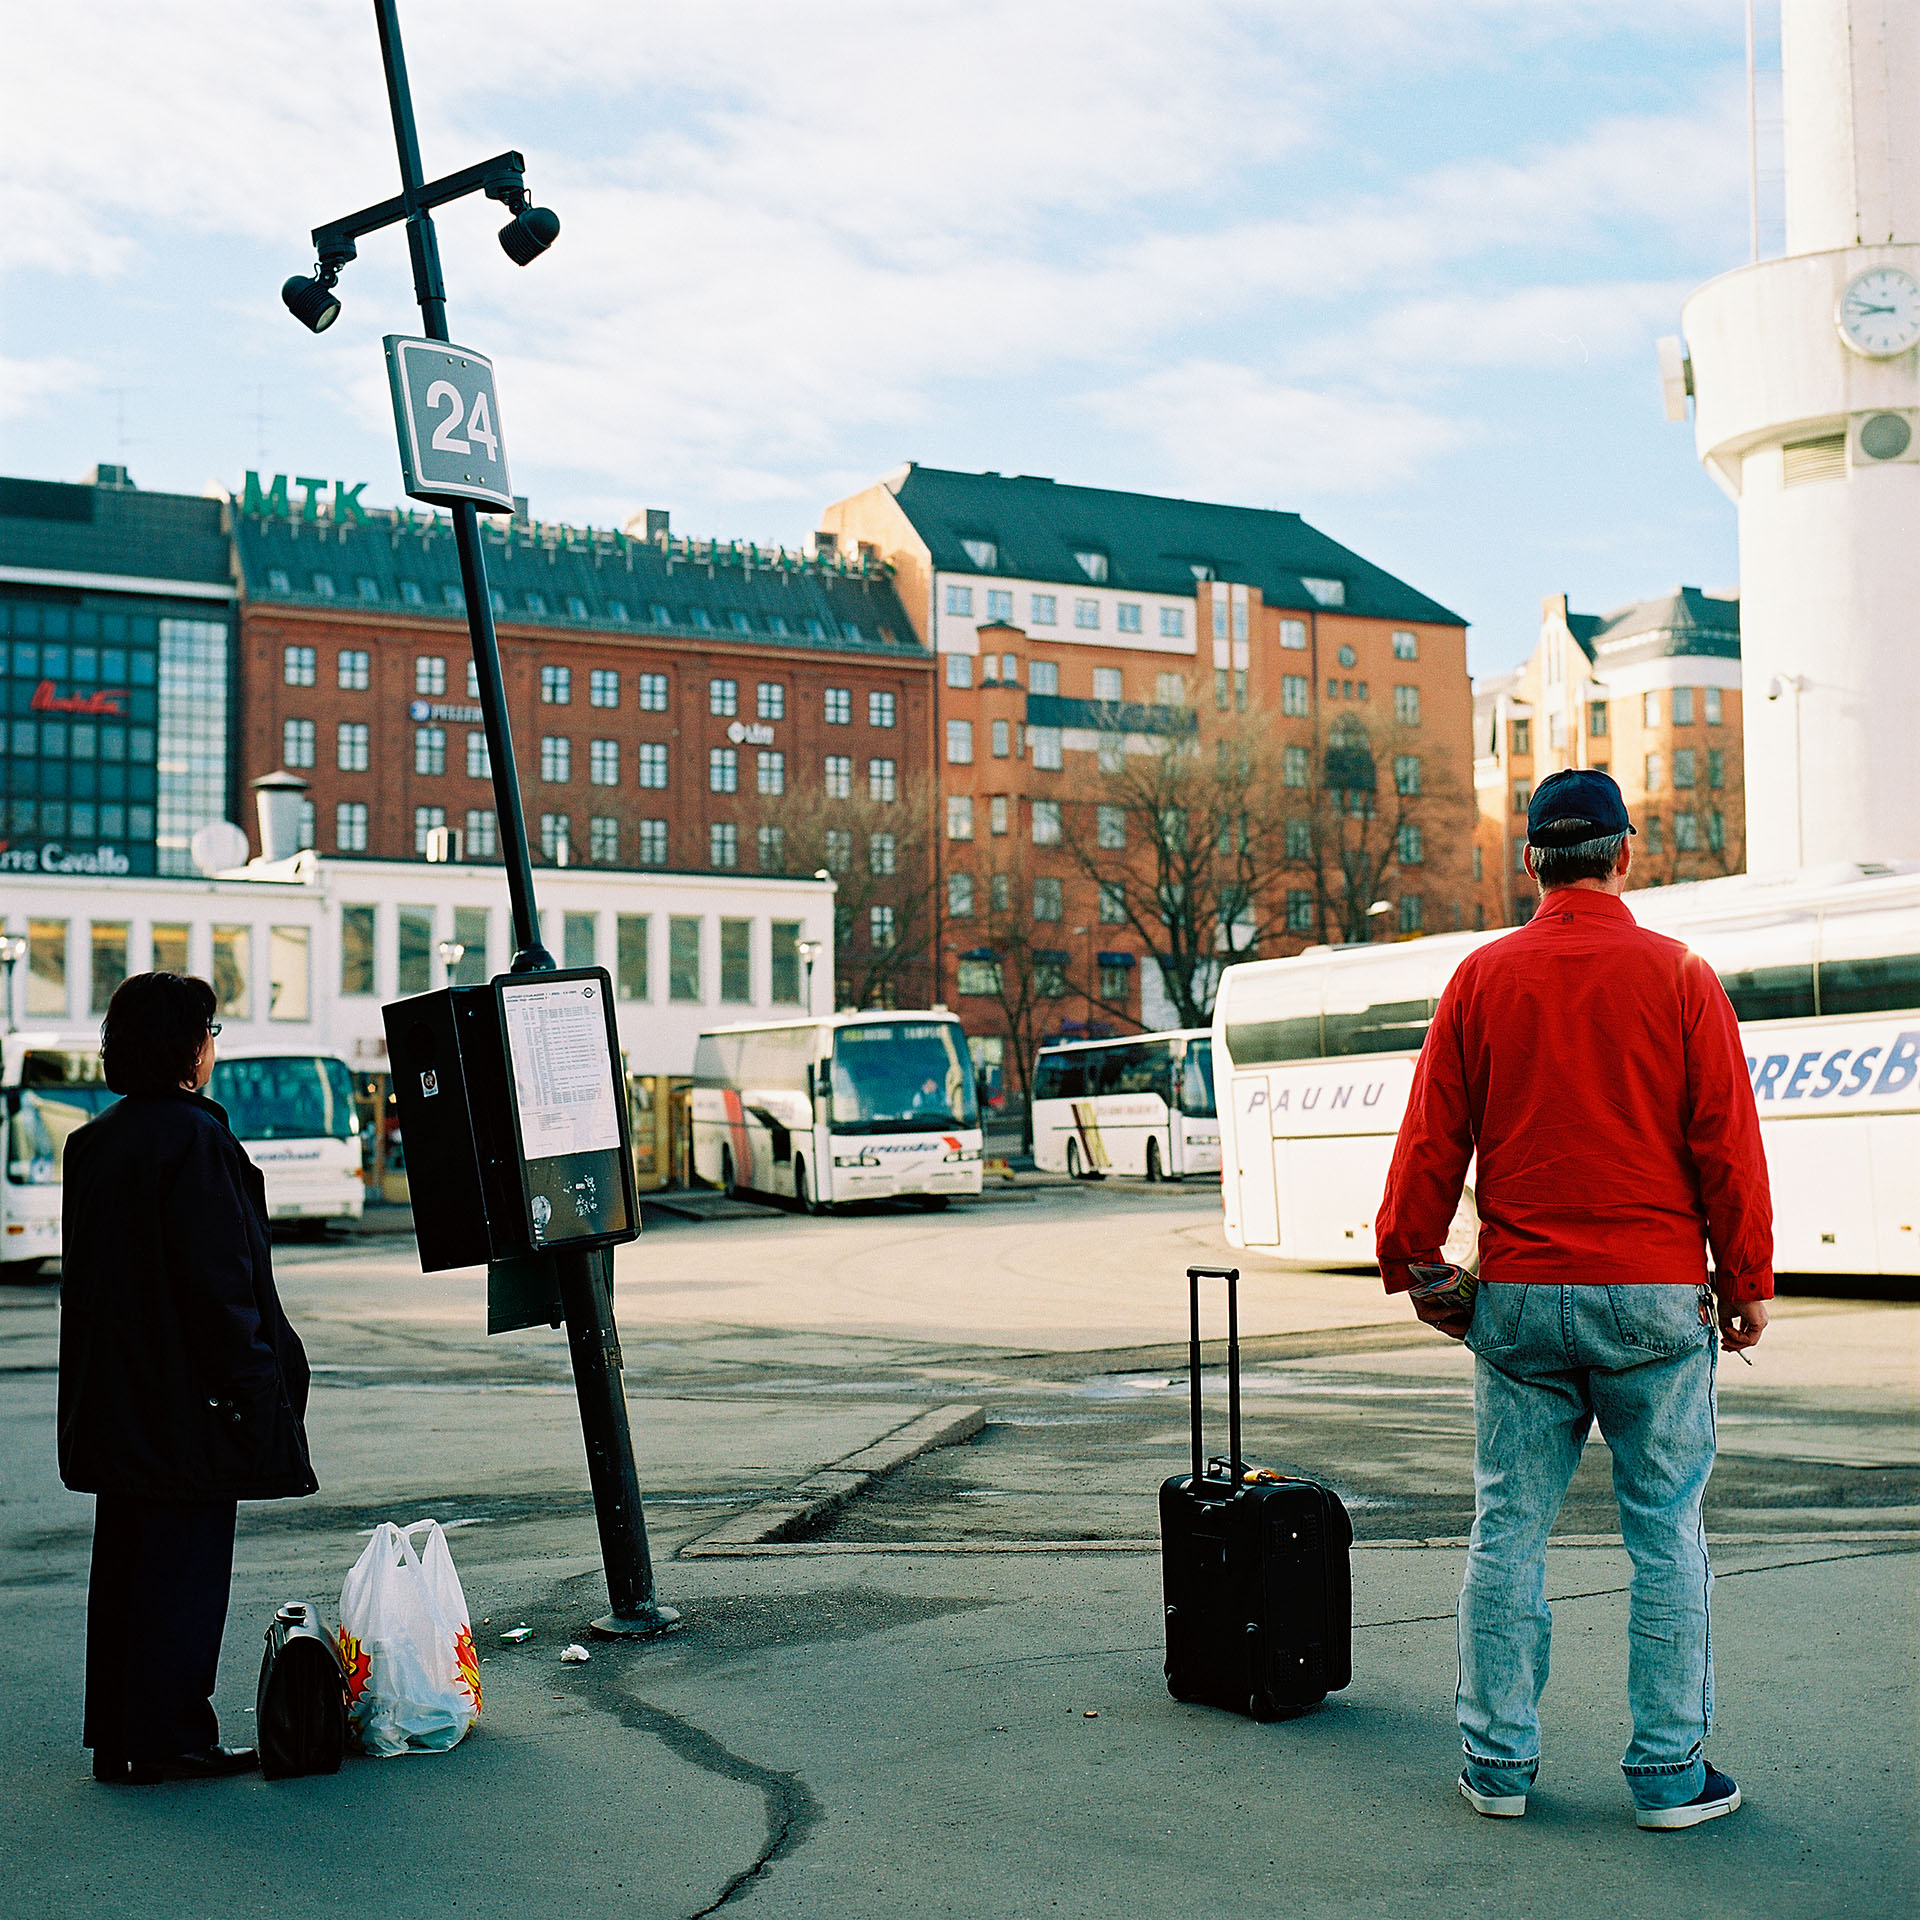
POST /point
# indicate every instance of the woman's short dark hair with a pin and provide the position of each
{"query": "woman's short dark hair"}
(156, 1025)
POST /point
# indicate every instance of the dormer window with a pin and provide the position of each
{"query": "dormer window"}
(985, 554)
(1330, 593)
(1093, 565)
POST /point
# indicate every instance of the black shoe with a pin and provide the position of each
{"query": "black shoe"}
(208, 1763)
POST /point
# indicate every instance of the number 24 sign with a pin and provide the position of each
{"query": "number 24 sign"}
(448, 418)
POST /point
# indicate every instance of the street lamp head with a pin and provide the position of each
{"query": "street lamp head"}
(1380, 906)
(312, 301)
(529, 234)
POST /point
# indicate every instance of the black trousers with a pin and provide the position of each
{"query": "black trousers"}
(156, 1608)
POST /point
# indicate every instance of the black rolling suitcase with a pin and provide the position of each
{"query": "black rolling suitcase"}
(1259, 1591)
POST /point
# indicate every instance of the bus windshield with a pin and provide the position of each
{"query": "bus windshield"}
(906, 1076)
(1196, 1081)
(39, 1119)
(291, 1097)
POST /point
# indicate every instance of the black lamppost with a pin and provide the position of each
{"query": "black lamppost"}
(585, 1292)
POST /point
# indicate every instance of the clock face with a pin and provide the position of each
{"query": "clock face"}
(1879, 314)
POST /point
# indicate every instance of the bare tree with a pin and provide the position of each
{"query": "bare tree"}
(880, 853)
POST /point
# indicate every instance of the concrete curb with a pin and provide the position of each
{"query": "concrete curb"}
(825, 1491)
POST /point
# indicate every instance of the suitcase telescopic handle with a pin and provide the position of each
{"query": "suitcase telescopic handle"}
(1231, 1275)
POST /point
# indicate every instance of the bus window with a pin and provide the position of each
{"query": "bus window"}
(1779, 985)
(778, 1060)
(63, 1067)
(1060, 1076)
(1381, 1005)
(901, 1076)
(38, 1125)
(1275, 1015)
(1142, 1066)
(289, 1097)
(1196, 1081)
(1862, 966)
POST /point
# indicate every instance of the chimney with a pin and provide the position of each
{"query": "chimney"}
(106, 476)
(649, 523)
(278, 797)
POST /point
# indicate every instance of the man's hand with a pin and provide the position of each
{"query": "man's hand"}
(1448, 1316)
(1742, 1322)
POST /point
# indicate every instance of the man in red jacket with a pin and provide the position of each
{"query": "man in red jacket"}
(1596, 1071)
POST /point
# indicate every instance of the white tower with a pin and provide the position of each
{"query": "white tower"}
(1805, 372)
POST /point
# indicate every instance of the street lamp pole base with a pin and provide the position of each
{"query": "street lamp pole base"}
(648, 1624)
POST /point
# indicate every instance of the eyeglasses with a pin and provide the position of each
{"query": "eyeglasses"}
(213, 1030)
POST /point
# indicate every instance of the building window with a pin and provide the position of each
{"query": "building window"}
(1293, 766)
(1126, 616)
(410, 592)
(1045, 743)
(1712, 704)
(723, 698)
(1046, 823)
(479, 756)
(1716, 767)
(556, 760)
(1299, 839)
(653, 764)
(296, 743)
(880, 707)
(1049, 898)
(772, 843)
(1682, 708)
(960, 896)
(556, 686)
(630, 956)
(556, 838)
(603, 687)
(1110, 831)
(353, 670)
(1000, 892)
(356, 949)
(350, 746)
(784, 987)
(977, 977)
(960, 602)
(1086, 615)
(1597, 720)
(839, 776)
(1170, 689)
(1650, 782)
(880, 928)
(232, 968)
(736, 961)
(1043, 676)
(323, 585)
(1113, 903)
(277, 582)
(1656, 835)
(723, 844)
(1406, 646)
(603, 838)
(1293, 694)
(959, 669)
(298, 667)
(1522, 795)
(1406, 706)
(1523, 736)
(960, 743)
(839, 849)
(959, 816)
(999, 605)
(430, 675)
(653, 843)
(723, 770)
(1408, 846)
(350, 827)
(483, 834)
(837, 705)
(683, 957)
(1406, 773)
(880, 853)
(1682, 768)
(1717, 830)
(429, 750)
(603, 763)
(1686, 832)
(1412, 912)
(881, 780)
(773, 773)
(998, 811)
(1520, 853)
(653, 693)
(1107, 684)
(1002, 739)
(1650, 709)
(426, 820)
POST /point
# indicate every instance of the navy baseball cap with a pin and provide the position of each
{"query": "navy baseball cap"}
(1578, 804)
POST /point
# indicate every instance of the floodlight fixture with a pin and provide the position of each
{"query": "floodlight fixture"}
(529, 234)
(312, 301)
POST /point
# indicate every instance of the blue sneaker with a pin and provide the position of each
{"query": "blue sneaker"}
(1496, 1806)
(1718, 1796)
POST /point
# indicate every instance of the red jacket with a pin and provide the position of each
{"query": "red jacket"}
(1598, 1071)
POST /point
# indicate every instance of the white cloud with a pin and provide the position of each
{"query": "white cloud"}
(27, 385)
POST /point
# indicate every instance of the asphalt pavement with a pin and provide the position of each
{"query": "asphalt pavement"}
(940, 1693)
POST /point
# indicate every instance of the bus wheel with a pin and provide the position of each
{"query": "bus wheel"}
(803, 1194)
(932, 1202)
(1073, 1161)
(1153, 1161)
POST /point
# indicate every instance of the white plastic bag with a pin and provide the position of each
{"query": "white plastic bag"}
(413, 1678)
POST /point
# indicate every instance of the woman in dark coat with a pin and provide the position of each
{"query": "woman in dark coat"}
(182, 1387)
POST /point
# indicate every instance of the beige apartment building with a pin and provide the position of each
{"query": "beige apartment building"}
(1650, 694)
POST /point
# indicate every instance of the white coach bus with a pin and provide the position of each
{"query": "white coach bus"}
(1316, 1056)
(51, 1084)
(1142, 1106)
(861, 1106)
(295, 1115)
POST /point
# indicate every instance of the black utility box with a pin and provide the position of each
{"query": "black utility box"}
(514, 1115)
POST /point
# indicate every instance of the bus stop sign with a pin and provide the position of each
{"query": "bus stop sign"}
(448, 418)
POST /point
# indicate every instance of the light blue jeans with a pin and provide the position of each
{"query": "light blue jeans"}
(1549, 1361)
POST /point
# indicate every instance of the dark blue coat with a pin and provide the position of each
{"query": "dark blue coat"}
(180, 1378)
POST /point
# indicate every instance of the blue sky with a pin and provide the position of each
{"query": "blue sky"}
(1399, 268)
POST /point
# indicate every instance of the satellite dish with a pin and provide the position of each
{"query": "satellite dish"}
(218, 847)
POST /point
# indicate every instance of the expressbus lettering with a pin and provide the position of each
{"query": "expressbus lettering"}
(1781, 1076)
